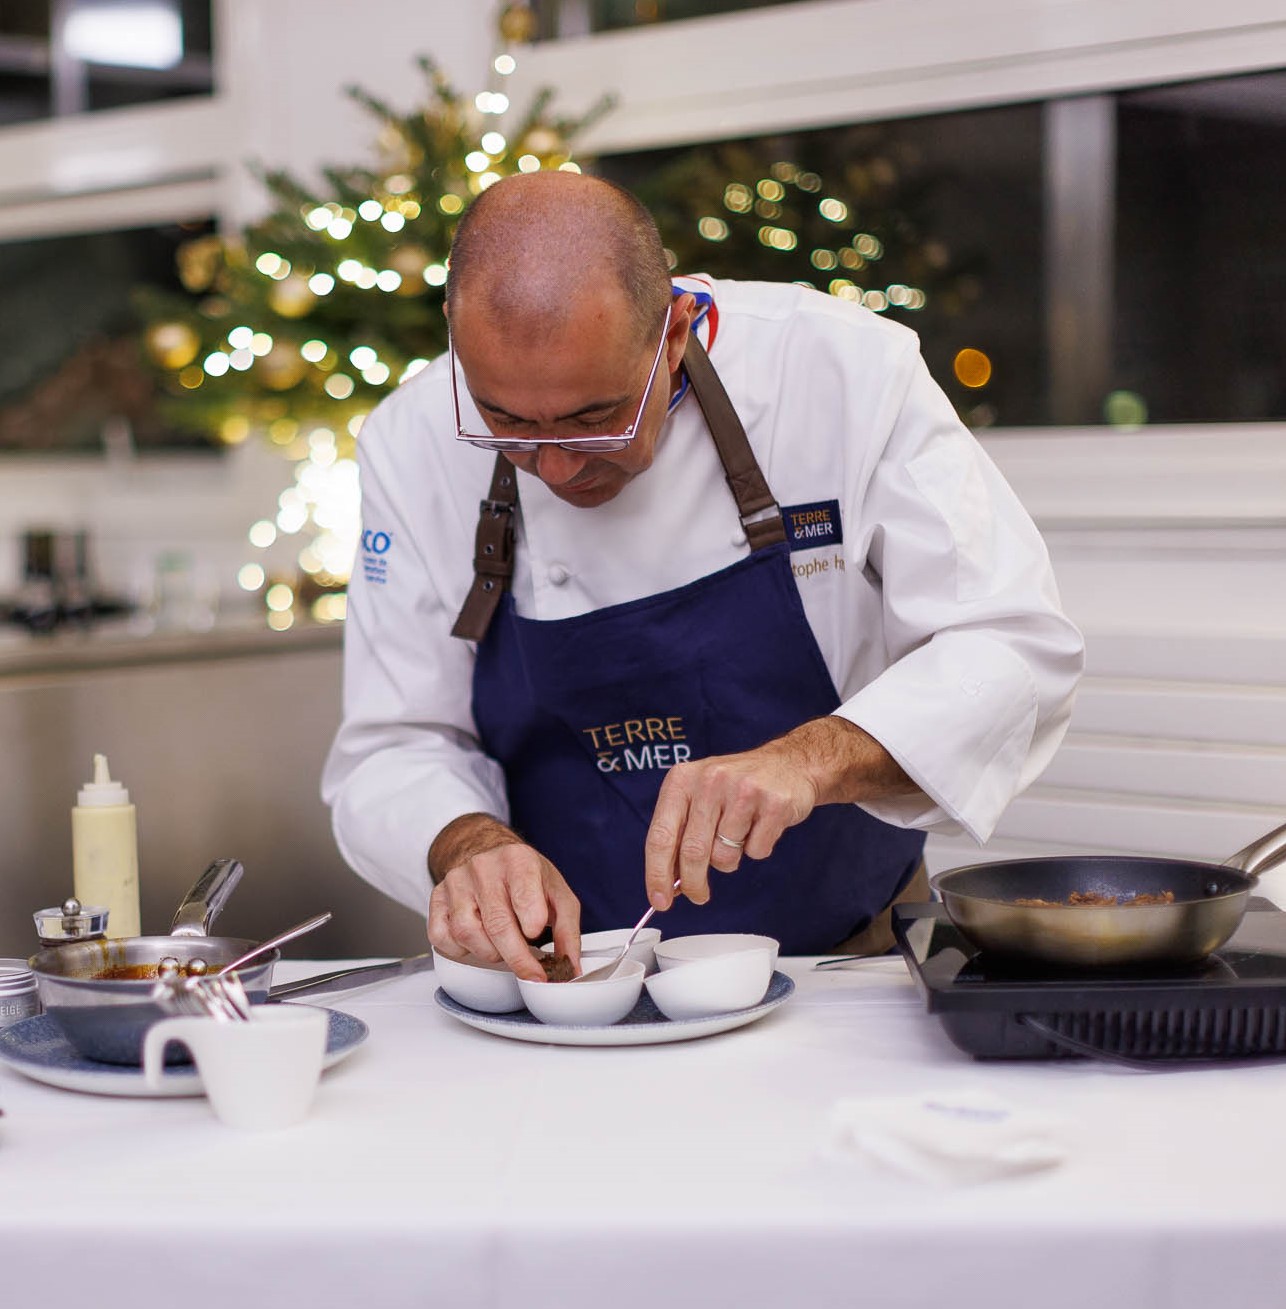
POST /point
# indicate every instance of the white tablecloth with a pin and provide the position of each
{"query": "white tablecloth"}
(449, 1167)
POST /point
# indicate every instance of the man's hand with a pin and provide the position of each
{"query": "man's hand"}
(712, 811)
(493, 893)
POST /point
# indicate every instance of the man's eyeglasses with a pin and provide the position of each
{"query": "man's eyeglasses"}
(580, 444)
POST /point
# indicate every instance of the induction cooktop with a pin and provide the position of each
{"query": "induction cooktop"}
(1231, 1005)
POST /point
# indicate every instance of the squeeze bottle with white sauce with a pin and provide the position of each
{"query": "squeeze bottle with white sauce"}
(104, 850)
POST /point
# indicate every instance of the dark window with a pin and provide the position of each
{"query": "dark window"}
(1174, 311)
(38, 78)
(950, 203)
(1201, 249)
(73, 373)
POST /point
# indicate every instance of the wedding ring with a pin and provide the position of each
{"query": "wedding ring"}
(727, 840)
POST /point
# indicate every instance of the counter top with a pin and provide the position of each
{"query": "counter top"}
(444, 1165)
(121, 645)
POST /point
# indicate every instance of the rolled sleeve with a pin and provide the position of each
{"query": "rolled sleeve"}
(959, 715)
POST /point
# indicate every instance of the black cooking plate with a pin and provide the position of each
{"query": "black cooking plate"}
(1229, 1006)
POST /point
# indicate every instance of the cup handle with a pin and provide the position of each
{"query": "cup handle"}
(158, 1035)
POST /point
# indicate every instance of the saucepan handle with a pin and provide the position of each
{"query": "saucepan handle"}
(205, 901)
(1261, 855)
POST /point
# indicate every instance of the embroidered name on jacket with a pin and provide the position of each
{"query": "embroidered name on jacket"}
(813, 525)
(635, 744)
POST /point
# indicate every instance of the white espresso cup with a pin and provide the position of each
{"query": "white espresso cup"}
(259, 1074)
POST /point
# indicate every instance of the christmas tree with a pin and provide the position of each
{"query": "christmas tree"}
(299, 325)
(317, 311)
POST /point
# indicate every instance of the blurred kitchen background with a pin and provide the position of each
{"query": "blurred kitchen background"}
(214, 260)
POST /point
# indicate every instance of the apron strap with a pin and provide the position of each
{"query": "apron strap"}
(760, 512)
(493, 553)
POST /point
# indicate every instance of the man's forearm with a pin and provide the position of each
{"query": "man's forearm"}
(464, 837)
(845, 764)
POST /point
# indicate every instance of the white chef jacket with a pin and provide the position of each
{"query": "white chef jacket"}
(937, 614)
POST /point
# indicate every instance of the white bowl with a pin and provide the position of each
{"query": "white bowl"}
(601, 946)
(585, 1004)
(686, 949)
(491, 988)
(718, 984)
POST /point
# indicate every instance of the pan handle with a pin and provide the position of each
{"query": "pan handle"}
(205, 901)
(1261, 855)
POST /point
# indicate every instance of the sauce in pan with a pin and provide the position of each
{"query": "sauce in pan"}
(126, 973)
(1092, 900)
(139, 973)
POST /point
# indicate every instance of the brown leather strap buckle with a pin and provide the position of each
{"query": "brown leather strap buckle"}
(756, 505)
(493, 554)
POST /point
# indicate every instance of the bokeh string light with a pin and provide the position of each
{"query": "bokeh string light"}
(765, 200)
(853, 212)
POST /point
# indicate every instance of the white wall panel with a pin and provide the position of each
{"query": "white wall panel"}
(1245, 715)
(1216, 773)
(1237, 657)
(1132, 825)
(142, 206)
(1154, 478)
(112, 149)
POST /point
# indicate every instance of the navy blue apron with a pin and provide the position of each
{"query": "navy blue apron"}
(587, 714)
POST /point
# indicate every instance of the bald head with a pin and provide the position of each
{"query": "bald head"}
(533, 248)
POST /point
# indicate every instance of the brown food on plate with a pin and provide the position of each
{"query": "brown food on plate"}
(558, 968)
(1093, 900)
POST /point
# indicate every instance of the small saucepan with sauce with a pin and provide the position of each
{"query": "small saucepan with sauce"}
(99, 992)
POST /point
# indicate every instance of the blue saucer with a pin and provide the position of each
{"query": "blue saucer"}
(37, 1048)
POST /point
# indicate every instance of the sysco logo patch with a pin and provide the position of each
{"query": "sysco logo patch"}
(375, 547)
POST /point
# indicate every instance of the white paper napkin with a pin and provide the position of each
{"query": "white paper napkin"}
(948, 1136)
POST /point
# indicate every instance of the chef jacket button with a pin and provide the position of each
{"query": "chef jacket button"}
(971, 686)
(559, 573)
(738, 538)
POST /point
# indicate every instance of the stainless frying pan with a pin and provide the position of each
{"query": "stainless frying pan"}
(99, 992)
(1209, 903)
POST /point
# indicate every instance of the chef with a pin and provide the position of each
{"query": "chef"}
(660, 577)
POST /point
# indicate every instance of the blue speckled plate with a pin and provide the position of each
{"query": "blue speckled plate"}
(37, 1048)
(645, 1024)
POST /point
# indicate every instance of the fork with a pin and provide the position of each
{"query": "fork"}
(221, 997)
(604, 971)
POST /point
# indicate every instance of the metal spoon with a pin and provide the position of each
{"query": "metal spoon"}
(280, 939)
(608, 969)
